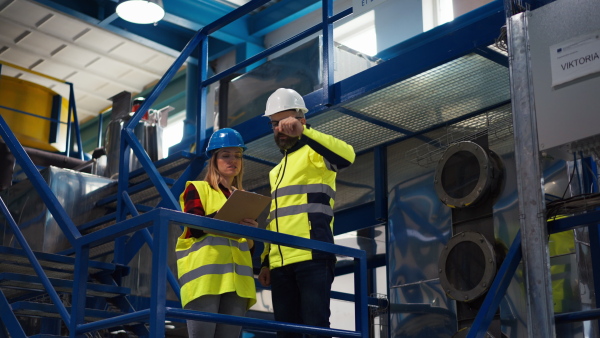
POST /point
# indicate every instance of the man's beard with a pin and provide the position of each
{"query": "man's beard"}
(286, 143)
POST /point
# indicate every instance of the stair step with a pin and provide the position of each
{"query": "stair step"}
(33, 283)
(142, 191)
(45, 310)
(15, 260)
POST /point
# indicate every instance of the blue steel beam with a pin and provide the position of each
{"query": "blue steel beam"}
(381, 183)
(327, 51)
(201, 91)
(361, 315)
(492, 55)
(73, 108)
(578, 316)
(591, 219)
(380, 123)
(160, 245)
(497, 291)
(259, 323)
(138, 316)
(11, 323)
(78, 295)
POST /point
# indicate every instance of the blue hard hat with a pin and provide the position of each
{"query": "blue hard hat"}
(224, 138)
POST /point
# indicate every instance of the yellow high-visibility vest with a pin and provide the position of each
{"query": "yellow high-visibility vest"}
(303, 192)
(213, 264)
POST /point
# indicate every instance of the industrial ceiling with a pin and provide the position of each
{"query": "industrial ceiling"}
(84, 42)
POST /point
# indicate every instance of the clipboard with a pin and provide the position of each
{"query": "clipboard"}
(242, 204)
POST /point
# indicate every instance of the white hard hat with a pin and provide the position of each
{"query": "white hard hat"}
(284, 99)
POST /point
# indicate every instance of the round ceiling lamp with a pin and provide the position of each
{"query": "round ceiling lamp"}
(141, 11)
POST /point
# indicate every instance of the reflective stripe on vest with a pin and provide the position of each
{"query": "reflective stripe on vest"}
(210, 240)
(304, 189)
(303, 208)
(216, 269)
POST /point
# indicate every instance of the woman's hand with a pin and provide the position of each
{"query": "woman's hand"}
(249, 222)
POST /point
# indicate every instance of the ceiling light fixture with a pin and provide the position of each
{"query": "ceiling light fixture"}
(141, 11)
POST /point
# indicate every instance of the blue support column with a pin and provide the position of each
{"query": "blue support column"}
(202, 90)
(328, 80)
(191, 106)
(80, 276)
(381, 196)
(8, 318)
(360, 289)
(73, 107)
(245, 51)
(159, 272)
(100, 129)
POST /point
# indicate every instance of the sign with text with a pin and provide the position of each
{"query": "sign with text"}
(575, 58)
(362, 6)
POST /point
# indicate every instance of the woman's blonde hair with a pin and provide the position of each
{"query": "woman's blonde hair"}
(213, 177)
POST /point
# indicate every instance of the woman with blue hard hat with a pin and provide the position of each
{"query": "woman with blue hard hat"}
(215, 271)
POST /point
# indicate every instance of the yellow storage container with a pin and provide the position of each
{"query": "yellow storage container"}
(33, 129)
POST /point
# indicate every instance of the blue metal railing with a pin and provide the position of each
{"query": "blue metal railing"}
(72, 126)
(159, 221)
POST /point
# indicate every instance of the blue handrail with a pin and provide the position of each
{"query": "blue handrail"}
(161, 219)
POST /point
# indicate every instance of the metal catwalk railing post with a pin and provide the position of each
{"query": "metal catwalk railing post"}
(149, 240)
(73, 108)
(536, 259)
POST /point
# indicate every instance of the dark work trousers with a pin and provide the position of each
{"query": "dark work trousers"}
(301, 294)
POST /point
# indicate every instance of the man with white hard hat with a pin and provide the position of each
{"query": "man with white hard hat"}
(303, 191)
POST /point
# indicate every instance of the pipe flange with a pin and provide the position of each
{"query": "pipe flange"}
(467, 266)
(463, 174)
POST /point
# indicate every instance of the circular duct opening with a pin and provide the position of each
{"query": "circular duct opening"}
(463, 174)
(467, 266)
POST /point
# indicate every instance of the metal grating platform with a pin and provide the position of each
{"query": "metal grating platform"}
(447, 92)
(496, 123)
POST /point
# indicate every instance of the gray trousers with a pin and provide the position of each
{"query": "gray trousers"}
(228, 303)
